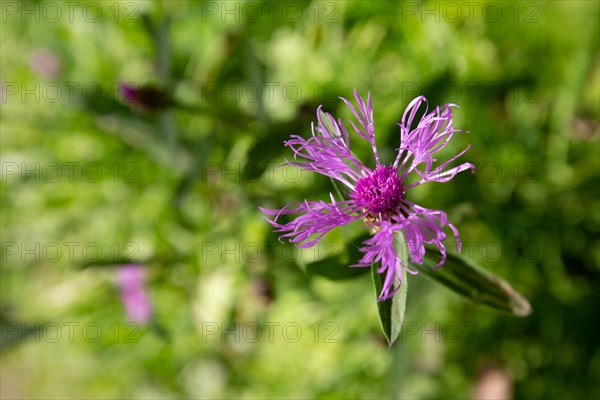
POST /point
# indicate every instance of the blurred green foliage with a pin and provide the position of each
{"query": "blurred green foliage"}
(89, 182)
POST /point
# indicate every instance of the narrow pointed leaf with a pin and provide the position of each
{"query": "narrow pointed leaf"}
(468, 280)
(391, 311)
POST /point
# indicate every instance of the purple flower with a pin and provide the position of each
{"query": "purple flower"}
(131, 279)
(128, 92)
(45, 63)
(376, 195)
(146, 98)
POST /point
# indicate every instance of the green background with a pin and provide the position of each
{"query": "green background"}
(89, 182)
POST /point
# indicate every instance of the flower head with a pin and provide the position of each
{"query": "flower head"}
(131, 279)
(377, 195)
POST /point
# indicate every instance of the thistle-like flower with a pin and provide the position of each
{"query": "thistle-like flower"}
(376, 195)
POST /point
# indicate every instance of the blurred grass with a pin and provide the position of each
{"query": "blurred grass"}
(527, 85)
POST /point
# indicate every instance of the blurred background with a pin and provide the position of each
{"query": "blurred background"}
(139, 139)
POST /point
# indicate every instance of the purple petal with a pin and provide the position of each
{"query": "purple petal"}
(131, 276)
(128, 92)
(131, 280)
(424, 226)
(418, 146)
(364, 116)
(327, 152)
(380, 248)
(315, 220)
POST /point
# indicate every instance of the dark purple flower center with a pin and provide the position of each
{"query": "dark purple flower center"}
(379, 193)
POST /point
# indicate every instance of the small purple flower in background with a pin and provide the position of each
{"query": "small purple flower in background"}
(376, 195)
(131, 279)
(144, 98)
(128, 92)
(45, 63)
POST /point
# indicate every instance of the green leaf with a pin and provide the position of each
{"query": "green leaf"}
(470, 281)
(391, 311)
